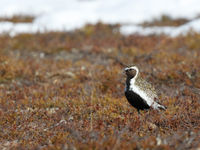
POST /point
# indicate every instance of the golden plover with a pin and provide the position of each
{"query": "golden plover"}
(139, 93)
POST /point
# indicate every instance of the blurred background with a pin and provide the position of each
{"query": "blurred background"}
(62, 73)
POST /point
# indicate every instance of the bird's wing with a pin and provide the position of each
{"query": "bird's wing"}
(150, 92)
(147, 88)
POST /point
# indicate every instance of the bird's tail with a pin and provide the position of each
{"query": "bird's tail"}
(159, 106)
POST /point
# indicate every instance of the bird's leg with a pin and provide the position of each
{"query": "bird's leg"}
(138, 116)
(138, 111)
(147, 114)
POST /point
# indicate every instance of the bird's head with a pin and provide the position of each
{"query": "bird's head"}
(131, 72)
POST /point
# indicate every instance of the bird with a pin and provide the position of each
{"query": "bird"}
(139, 93)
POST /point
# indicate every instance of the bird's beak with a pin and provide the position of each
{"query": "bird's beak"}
(124, 71)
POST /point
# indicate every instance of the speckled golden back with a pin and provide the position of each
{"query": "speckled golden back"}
(146, 87)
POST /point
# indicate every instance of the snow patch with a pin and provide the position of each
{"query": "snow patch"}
(62, 15)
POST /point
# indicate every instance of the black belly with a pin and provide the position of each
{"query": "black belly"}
(136, 101)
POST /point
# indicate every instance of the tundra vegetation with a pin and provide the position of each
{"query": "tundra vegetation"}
(65, 90)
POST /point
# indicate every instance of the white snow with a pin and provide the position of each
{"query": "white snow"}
(172, 31)
(60, 15)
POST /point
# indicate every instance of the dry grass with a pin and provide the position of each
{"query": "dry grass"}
(18, 19)
(65, 90)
